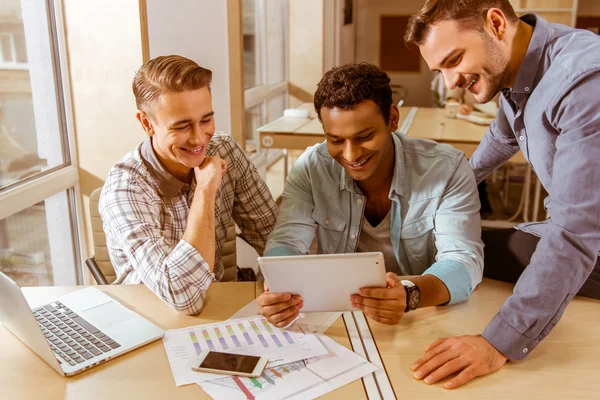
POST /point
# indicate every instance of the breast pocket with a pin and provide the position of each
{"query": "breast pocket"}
(330, 229)
(417, 236)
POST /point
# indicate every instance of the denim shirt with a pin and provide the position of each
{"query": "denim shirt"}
(435, 224)
(552, 115)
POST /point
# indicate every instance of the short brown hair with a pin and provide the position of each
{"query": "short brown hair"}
(167, 73)
(470, 12)
(349, 85)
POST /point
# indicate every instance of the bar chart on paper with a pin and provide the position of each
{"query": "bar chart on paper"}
(249, 336)
(304, 379)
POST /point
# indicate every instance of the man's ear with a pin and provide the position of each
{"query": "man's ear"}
(145, 122)
(394, 117)
(497, 23)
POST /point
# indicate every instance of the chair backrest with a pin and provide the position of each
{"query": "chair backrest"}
(228, 255)
(100, 250)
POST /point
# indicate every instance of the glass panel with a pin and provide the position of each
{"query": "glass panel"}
(36, 244)
(30, 128)
(276, 107)
(275, 41)
(254, 120)
(252, 76)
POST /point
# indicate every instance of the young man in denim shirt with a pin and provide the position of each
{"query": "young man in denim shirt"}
(368, 188)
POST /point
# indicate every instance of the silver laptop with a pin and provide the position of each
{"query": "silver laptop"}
(76, 331)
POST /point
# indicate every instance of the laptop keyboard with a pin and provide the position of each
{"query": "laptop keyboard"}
(73, 339)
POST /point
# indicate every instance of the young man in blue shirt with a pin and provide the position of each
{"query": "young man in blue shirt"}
(368, 188)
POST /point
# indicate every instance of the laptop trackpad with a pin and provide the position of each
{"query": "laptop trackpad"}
(107, 314)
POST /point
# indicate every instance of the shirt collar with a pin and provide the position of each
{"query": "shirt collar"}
(347, 183)
(525, 80)
(169, 185)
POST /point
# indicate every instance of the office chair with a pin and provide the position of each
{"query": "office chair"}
(103, 271)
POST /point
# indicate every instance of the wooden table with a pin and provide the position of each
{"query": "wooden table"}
(562, 366)
(293, 133)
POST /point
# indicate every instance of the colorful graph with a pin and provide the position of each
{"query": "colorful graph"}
(273, 335)
(260, 336)
(268, 378)
(220, 337)
(195, 341)
(208, 340)
(233, 335)
(245, 333)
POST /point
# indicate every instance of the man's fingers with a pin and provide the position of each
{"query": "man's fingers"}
(266, 299)
(434, 363)
(382, 293)
(284, 317)
(428, 356)
(435, 344)
(445, 370)
(376, 303)
(465, 376)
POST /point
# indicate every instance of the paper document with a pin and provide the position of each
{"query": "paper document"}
(316, 321)
(299, 380)
(248, 336)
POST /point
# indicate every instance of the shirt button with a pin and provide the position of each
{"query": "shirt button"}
(326, 222)
(525, 350)
(418, 229)
(527, 88)
(359, 201)
(353, 236)
(521, 138)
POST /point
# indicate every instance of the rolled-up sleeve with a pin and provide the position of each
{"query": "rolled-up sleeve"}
(459, 259)
(566, 254)
(175, 272)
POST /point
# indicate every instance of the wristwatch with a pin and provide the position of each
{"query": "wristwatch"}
(413, 295)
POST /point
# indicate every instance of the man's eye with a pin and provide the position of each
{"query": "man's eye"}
(206, 121)
(455, 60)
(181, 128)
(365, 138)
(332, 141)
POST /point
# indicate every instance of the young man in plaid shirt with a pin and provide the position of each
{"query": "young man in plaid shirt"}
(166, 206)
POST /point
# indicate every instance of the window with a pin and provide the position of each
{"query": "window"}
(39, 242)
(265, 63)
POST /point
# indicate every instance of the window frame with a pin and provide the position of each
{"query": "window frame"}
(27, 192)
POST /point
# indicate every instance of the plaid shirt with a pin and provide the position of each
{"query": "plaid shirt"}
(144, 211)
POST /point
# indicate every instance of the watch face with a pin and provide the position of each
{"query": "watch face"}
(414, 299)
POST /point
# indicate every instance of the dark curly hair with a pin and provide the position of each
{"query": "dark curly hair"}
(348, 85)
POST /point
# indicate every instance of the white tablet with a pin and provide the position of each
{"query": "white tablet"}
(326, 281)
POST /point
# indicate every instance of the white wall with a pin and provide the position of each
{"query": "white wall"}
(368, 14)
(196, 29)
(306, 59)
(105, 50)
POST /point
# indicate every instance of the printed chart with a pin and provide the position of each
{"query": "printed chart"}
(305, 379)
(249, 336)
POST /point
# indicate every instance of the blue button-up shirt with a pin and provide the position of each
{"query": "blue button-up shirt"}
(551, 115)
(434, 222)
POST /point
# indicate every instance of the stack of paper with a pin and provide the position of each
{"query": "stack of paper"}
(305, 379)
(248, 336)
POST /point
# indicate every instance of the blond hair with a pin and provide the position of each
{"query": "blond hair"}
(167, 73)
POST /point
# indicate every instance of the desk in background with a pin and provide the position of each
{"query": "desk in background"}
(293, 133)
(563, 366)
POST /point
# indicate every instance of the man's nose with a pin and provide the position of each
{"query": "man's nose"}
(451, 79)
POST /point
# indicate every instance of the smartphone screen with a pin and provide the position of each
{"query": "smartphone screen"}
(230, 362)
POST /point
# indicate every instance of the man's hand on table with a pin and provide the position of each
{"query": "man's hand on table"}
(469, 356)
(385, 305)
(279, 308)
